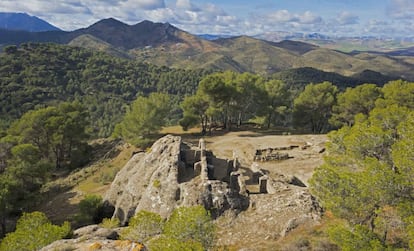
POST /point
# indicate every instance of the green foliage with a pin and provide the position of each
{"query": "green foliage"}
(188, 228)
(146, 116)
(367, 177)
(357, 238)
(191, 224)
(56, 134)
(300, 77)
(399, 93)
(224, 99)
(195, 111)
(90, 209)
(143, 226)
(38, 75)
(110, 223)
(358, 100)
(313, 107)
(9, 195)
(278, 101)
(34, 231)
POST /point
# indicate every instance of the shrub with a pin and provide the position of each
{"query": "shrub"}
(143, 226)
(90, 209)
(110, 223)
(191, 224)
(34, 231)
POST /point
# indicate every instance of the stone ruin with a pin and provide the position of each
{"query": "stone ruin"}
(271, 154)
(238, 178)
(211, 169)
(172, 174)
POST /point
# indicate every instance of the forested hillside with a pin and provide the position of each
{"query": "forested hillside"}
(367, 178)
(38, 75)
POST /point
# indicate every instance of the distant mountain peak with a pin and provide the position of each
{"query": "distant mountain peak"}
(112, 22)
(122, 35)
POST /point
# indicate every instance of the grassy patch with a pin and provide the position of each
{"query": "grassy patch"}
(178, 130)
(99, 182)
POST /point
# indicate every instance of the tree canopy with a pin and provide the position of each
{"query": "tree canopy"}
(367, 177)
(146, 116)
(36, 75)
(313, 106)
(39, 142)
(56, 133)
(358, 100)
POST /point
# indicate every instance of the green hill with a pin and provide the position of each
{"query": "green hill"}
(37, 75)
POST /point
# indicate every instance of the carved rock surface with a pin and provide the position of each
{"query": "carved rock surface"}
(161, 180)
(148, 181)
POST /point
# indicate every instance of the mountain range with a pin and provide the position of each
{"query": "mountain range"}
(165, 44)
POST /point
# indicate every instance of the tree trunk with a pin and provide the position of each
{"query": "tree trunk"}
(269, 117)
(239, 120)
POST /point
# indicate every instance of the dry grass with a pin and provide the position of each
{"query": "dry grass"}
(178, 130)
(62, 204)
(99, 182)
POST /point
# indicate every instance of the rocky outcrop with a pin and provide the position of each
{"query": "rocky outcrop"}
(169, 175)
(95, 237)
(84, 244)
(270, 216)
(250, 204)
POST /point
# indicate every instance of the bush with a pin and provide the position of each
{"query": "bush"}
(357, 238)
(191, 224)
(34, 231)
(110, 223)
(90, 209)
(143, 226)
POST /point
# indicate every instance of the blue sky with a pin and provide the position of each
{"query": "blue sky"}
(331, 17)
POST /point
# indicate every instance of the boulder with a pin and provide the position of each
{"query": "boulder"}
(95, 232)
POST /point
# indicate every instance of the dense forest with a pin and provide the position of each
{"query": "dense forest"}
(55, 98)
(37, 75)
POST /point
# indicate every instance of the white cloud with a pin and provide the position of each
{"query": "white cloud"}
(310, 18)
(347, 18)
(401, 9)
(146, 4)
(281, 16)
(284, 16)
(187, 5)
(38, 7)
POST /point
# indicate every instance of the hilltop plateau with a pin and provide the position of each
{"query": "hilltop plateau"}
(283, 205)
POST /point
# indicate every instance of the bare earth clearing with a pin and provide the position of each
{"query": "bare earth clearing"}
(244, 143)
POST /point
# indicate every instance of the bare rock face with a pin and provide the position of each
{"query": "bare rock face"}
(94, 244)
(166, 177)
(270, 216)
(148, 181)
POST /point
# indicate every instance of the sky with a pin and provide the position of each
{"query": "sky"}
(391, 18)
